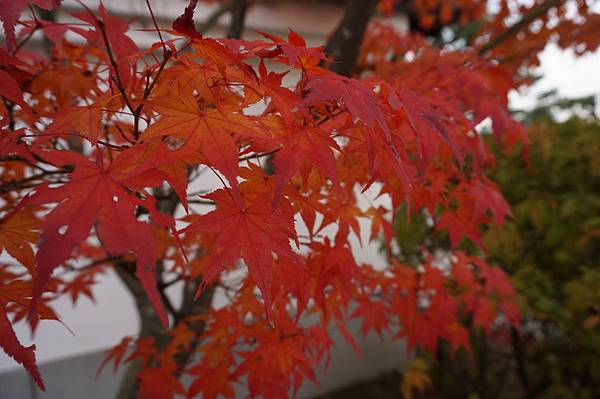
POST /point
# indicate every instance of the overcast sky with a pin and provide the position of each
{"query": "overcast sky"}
(571, 76)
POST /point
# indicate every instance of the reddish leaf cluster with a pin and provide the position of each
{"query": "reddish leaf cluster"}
(102, 141)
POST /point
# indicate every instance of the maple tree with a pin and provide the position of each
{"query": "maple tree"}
(102, 142)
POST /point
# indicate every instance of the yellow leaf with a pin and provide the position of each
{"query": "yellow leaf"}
(415, 379)
(18, 231)
(591, 322)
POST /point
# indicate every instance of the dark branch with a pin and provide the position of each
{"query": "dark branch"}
(24, 183)
(10, 113)
(238, 15)
(212, 20)
(523, 23)
(344, 46)
(193, 307)
(519, 354)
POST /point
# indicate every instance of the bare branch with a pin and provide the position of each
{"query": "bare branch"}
(523, 23)
(344, 45)
(212, 20)
(238, 15)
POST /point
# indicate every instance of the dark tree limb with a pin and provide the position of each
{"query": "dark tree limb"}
(168, 203)
(46, 15)
(213, 19)
(523, 23)
(482, 366)
(192, 306)
(150, 326)
(345, 43)
(238, 16)
(10, 113)
(519, 354)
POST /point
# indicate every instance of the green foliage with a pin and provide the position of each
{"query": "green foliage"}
(551, 249)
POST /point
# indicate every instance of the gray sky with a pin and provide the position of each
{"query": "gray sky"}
(572, 76)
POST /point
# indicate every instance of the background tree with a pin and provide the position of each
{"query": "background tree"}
(550, 247)
(553, 241)
(102, 141)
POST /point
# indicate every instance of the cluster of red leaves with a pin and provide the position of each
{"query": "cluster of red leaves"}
(422, 306)
(432, 13)
(93, 137)
(567, 24)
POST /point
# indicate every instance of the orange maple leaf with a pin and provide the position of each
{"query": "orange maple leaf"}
(204, 127)
(19, 230)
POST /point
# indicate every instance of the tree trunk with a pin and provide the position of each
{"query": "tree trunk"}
(238, 15)
(345, 43)
(150, 325)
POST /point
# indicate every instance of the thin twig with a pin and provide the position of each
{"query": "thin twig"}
(10, 113)
(117, 75)
(169, 283)
(26, 38)
(258, 155)
(156, 25)
(201, 201)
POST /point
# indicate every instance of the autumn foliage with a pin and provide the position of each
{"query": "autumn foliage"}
(103, 146)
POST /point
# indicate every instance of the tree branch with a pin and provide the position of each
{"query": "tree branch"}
(19, 184)
(519, 353)
(238, 15)
(520, 25)
(46, 15)
(115, 66)
(214, 17)
(10, 113)
(345, 43)
(150, 326)
(193, 307)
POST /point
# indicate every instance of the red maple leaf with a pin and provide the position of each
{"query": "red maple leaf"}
(185, 22)
(374, 315)
(10, 10)
(293, 49)
(10, 88)
(283, 99)
(15, 291)
(300, 144)
(93, 197)
(112, 28)
(159, 382)
(252, 232)
(426, 122)
(206, 128)
(116, 354)
(85, 120)
(360, 101)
